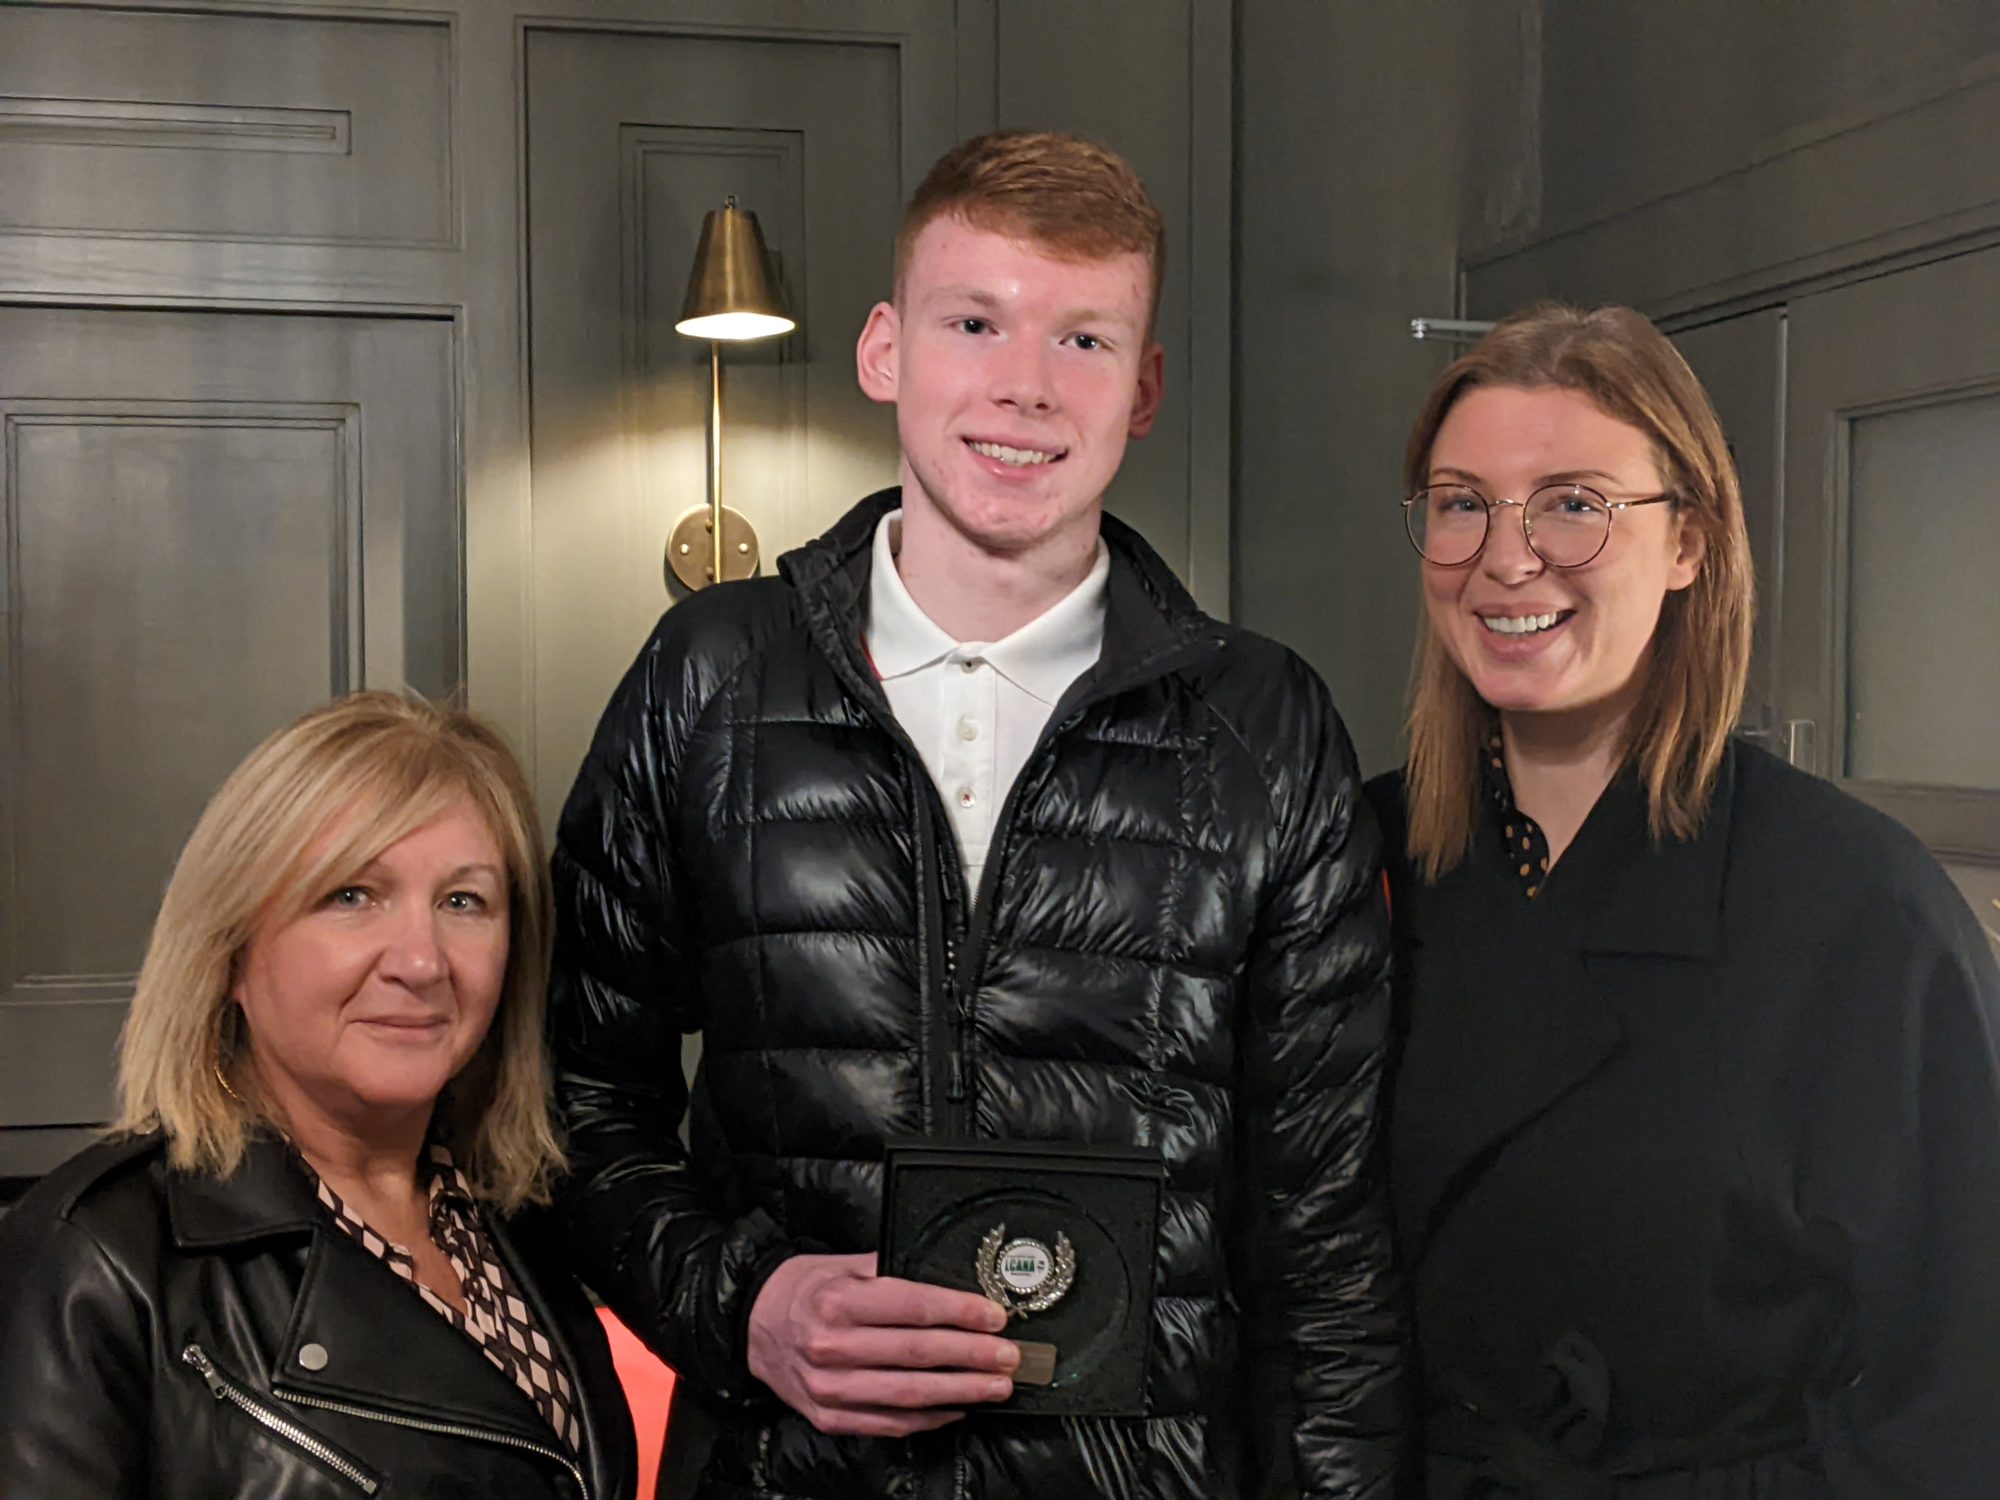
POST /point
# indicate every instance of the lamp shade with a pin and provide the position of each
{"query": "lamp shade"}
(732, 294)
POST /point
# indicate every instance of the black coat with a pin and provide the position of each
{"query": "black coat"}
(1180, 944)
(1697, 1157)
(151, 1326)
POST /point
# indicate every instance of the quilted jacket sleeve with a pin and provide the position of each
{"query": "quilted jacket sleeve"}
(1326, 1332)
(649, 1232)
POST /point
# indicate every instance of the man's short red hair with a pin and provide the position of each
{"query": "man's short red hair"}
(1071, 198)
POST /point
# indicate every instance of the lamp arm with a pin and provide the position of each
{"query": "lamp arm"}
(715, 461)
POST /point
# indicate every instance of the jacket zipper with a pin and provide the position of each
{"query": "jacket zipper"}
(962, 977)
(939, 1040)
(944, 1076)
(223, 1389)
(444, 1429)
(947, 1091)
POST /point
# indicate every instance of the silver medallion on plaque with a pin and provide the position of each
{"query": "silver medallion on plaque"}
(1024, 1275)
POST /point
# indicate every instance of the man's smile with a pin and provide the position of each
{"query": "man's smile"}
(1020, 458)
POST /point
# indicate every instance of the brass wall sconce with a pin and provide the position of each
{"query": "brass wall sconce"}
(732, 297)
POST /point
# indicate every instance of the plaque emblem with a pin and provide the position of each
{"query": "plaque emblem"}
(1024, 1275)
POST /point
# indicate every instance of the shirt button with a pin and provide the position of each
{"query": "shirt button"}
(312, 1357)
(967, 730)
(965, 797)
(970, 664)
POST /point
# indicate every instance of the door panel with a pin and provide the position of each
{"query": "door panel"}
(1891, 618)
(631, 140)
(198, 543)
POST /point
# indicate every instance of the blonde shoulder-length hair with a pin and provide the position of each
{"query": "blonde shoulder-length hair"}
(1700, 659)
(311, 805)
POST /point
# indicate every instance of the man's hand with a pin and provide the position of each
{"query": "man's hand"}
(857, 1353)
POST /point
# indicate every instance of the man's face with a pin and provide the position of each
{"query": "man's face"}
(1017, 380)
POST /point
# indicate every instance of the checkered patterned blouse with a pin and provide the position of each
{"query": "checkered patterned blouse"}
(497, 1318)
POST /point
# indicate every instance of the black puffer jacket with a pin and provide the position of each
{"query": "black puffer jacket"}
(1180, 943)
(176, 1337)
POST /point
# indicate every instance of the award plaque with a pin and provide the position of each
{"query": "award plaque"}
(1060, 1235)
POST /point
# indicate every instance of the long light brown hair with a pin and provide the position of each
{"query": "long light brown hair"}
(1700, 659)
(313, 804)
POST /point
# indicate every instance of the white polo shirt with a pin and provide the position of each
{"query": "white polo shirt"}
(976, 708)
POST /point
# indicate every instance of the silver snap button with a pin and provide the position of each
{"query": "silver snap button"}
(312, 1357)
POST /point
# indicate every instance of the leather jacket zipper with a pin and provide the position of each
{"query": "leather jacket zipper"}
(224, 1389)
(443, 1429)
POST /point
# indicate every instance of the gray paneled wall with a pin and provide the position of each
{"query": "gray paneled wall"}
(335, 348)
(196, 542)
(1710, 153)
(1359, 167)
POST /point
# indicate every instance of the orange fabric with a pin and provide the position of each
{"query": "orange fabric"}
(649, 1388)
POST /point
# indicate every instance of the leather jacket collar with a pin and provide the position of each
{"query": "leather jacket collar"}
(431, 1372)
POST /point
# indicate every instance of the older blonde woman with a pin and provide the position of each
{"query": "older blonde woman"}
(299, 1267)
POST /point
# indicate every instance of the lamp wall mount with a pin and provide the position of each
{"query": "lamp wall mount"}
(691, 550)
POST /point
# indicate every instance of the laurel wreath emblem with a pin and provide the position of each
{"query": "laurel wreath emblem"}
(1044, 1297)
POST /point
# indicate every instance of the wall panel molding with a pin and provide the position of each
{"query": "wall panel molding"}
(272, 126)
(63, 549)
(1787, 216)
(142, 124)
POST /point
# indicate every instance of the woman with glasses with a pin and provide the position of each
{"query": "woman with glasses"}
(1696, 1128)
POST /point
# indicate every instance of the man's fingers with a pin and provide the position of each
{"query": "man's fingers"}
(915, 1349)
(890, 1302)
(901, 1389)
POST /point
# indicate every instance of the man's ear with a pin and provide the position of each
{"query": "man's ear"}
(876, 353)
(1151, 389)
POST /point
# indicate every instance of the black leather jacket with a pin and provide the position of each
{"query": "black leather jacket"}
(152, 1324)
(1180, 944)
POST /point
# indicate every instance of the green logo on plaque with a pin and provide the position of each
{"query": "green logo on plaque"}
(1023, 1275)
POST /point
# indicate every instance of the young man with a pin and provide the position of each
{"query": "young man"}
(971, 825)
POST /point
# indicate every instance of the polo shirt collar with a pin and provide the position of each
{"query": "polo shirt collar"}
(1042, 658)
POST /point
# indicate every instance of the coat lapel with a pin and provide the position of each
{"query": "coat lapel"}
(348, 1304)
(1479, 1065)
(1635, 896)
(1510, 1011)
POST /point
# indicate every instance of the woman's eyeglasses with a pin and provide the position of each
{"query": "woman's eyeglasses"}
(1566, 524)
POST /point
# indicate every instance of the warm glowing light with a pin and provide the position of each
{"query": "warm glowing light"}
(734, 327)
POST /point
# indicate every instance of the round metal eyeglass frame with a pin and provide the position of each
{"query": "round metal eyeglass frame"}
(1610, 507)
